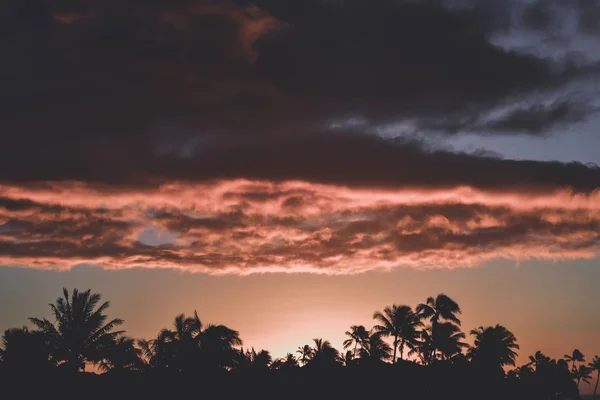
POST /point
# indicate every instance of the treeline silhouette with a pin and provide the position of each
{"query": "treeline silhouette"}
(407, 354)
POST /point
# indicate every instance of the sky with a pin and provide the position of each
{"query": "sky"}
(287, 166)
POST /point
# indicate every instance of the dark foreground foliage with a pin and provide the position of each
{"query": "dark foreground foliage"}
(407, 354)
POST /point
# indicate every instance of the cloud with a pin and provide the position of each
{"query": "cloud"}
(202, 67)
(248, 133)
(246, 227)
(341, 158)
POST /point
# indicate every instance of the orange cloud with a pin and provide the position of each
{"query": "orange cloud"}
(243, 227)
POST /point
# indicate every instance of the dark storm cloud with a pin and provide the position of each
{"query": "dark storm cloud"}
(341, 158)
(89, 85)
(525, 118)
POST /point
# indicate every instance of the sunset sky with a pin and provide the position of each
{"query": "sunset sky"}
(289, 167)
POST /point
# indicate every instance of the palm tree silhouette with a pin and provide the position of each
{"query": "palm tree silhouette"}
(424, 346)
(23, 350)
(493, 348)
(122, 355)
(217, 346)
(324, 354)
(183, 342)
(538, 359)
(446, 338)
(577, 356)
(79, 333)
(400, 323)
(582, 373)
(155, 352)
(289, 362)
(376, 350)
(595, 366)
(306, 353)
(251, 360)
(440, 308)
(357, 336)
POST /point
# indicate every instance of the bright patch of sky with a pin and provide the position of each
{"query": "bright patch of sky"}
(156, 237)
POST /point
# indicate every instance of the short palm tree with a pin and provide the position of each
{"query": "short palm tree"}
(23, 350)
(324, 354)
(493, 348)
(447, 339)
(80, 331)
(538, 359)
(357, 336)
(375, 349)
(582, 373)
(400, 323)
(288, 362)
(306, 354)
(122, 355)
(577, 356)
(595, 366)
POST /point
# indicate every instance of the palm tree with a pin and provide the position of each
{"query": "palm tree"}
(190, 346)
(577, 356)
(595, 366)
(375, 349)
(251, 360)
(287, 363)
(424, 346)
(217, 346)
(440, 308)
(538, 359)
(155, 352)
(447, 338)
(582, 373)
(348, 358)
(357, 336)
(324, 354)
(23, 350)
(493, 348)
(80, 331)
(400, 323)
(122, 355)
(182, 343)
(306, 353)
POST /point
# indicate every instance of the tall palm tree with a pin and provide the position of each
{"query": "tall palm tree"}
(80, 331)
(595, 366)
(400, 323)
(357, 336)
(493, 348)
(440, 308)
(577, 356)
(306, 353)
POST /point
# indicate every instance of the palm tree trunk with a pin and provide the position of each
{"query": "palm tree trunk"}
(395, 348)
(402, 349)
(355, 345)
(596, 388)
